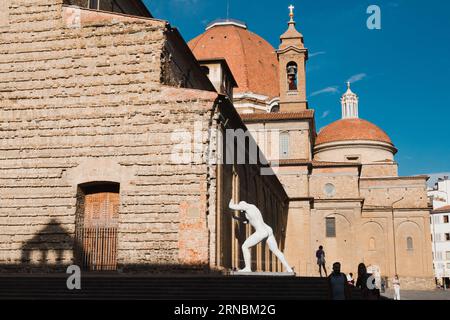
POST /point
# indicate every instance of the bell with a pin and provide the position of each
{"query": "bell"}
(292, 70)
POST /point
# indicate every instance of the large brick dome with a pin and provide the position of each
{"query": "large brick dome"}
(252, 60)
(352, 130)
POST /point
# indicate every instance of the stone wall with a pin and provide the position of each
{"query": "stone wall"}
(384, 191)
(179, 66)
(4, 13)
(80, 101)
(295, 180)
(389, 169)
(268, 134)
(411, 283)
(345, 181)
(84, 97)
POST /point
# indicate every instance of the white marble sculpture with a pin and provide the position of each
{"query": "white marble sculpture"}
(262, 231)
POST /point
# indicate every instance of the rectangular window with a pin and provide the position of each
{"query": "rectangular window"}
(409, 244)
(447, 255)
(331, 227)
(445, 219)
(284, 145)
(448, 266)
(447, 237)
(93, 4)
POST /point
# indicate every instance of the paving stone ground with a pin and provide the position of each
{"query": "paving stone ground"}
(419, 295)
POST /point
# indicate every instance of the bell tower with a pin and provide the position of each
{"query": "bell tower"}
(292, 57)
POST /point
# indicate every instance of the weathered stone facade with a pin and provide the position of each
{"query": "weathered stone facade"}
(90, 96)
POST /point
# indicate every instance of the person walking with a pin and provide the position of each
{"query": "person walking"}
(396, 284)
(320, 255)
(338, 287)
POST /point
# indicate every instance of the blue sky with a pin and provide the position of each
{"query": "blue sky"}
(402, 70)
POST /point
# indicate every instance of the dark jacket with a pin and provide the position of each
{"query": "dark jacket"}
(347, 289)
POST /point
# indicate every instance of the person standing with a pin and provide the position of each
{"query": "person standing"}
(396, 284)
(320, 255)
(338, 287)
(365, 282)
(350, 280)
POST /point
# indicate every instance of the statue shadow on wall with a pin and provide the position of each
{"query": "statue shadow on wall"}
(46, 250)
(54, 248)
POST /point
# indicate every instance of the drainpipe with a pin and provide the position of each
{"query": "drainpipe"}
(393, 231)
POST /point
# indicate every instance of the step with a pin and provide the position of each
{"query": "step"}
(166, 287)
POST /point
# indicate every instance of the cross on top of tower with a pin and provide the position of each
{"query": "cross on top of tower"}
(291, 13)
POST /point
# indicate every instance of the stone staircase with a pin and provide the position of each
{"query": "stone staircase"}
(139, 287)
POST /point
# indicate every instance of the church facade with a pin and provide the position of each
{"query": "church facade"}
(343, 184)
(99, 109)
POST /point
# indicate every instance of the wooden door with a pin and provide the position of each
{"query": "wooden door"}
(99, 231)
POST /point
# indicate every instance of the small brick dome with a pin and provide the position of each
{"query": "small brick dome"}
(252, 60)
(352, 129)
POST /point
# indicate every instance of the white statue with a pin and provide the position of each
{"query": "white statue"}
(263, 231)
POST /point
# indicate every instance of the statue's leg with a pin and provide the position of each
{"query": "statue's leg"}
(252, 241)
(274, 248)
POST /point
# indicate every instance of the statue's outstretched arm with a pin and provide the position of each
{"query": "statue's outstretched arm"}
(234, 206)
(241, 206)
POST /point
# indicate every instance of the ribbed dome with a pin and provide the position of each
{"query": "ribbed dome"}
(252, 60)
(352, 129)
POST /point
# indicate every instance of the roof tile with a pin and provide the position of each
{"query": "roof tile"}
(252, 60)
(352, 129)
(444, 209)
(256, 117)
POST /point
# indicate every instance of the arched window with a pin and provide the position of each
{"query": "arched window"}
(292, 79)
(275, 109)
(409, 244)
(284, 145)
(372, 244)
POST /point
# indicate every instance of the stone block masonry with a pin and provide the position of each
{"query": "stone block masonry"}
(84, 102)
